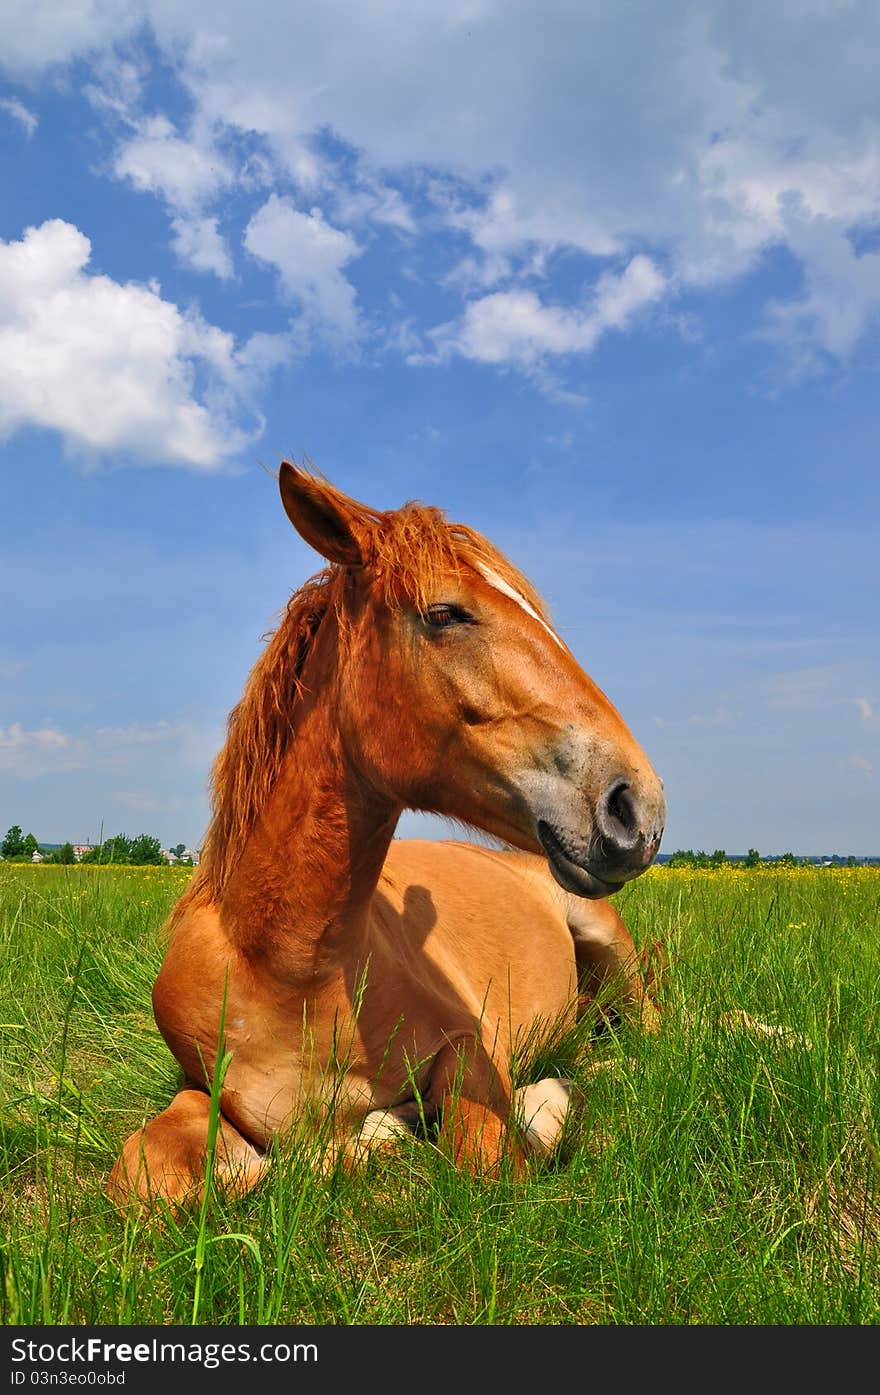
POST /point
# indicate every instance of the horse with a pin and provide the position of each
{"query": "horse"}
(339, 973)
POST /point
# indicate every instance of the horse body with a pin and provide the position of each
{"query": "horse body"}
(431, 971)
(354, 975)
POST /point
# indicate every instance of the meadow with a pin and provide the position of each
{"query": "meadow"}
(709, 1174)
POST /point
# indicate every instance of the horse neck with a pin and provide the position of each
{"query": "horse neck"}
(300, 893)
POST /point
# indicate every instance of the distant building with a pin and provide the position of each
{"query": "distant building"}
(37, 856)
(80, 848)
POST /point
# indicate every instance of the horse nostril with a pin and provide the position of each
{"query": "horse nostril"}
(618, 817)
(621, 807)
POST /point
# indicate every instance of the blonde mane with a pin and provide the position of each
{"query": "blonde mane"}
(408, 551)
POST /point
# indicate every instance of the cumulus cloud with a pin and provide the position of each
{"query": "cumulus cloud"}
(112, 367)
(505, 225)
(187, 173)
(688, 135)
(840, 299)
(515, 326)
(199, 243)
(309, 256)
(38, 35)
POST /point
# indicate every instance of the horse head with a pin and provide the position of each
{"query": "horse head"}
(455, 694)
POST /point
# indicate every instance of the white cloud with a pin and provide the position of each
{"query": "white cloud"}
(618, 298)
(187, 173)
(118, 84)
(515, 326)
(26, 752)
(309, 256)
(504, 225)
(686, 133)
(199, 244)
(158, 771)
(112, 367)
(841, 295)
(866, 709)
(367, 199)
(20, 113)
(150, 748)
(39, 33)
(184, 172)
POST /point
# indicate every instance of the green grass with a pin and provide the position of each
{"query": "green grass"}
(709, 1175)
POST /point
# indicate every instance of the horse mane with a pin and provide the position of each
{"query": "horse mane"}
(407, 550)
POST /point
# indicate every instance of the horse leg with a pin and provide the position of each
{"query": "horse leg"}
(165, 1160)
(540, 1111)
(382, 1128)
(474, 1103)
(606, 956)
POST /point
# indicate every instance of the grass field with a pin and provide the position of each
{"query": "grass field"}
(709, 1175)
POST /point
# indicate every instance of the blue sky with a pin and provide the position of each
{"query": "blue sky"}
(602, 281)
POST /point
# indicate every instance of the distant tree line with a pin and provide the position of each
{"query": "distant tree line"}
(686, 857)
(146, 851)
(18, 847)
(142, 851)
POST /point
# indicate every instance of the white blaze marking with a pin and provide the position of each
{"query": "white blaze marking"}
(501, 585)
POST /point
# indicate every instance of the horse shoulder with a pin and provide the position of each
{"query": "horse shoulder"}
(487, 920)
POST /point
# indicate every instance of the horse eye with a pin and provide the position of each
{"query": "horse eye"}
(441, 615)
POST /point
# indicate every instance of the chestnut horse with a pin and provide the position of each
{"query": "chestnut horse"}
(369, 980)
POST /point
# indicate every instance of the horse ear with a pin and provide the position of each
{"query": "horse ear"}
(319, 514)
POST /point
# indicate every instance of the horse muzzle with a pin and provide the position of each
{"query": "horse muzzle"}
(624, 842)
(572, 875)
